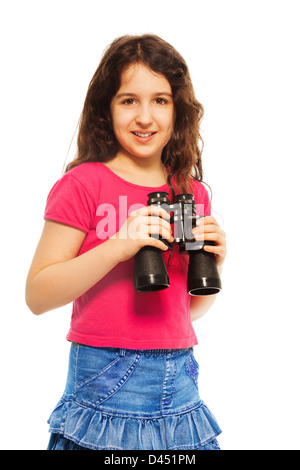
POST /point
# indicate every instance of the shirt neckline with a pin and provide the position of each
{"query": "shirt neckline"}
(129, 183)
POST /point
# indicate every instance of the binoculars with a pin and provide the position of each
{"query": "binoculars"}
(150, 272)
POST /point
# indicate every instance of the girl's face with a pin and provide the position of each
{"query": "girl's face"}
(142, 112)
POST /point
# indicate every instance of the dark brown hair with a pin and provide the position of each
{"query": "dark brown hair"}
(96, 140)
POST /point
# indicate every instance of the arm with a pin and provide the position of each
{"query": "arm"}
(208, 229)
(58, 276)
(200, 305)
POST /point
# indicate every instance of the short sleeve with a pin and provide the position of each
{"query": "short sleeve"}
(202, 200)
(69, 203)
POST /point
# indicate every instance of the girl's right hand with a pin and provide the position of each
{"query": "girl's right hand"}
(135, 232)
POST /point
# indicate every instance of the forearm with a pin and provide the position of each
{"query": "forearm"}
(61, 283)
(199, 306)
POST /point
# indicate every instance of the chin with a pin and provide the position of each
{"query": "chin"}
(141, 155)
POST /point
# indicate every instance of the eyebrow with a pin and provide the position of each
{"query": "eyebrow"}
(121, 95)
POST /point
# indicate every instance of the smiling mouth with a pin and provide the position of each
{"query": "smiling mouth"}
(140, 134)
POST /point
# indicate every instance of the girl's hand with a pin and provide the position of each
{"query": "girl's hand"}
(209, 229)
(135, 232)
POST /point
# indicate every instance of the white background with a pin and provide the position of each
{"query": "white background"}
(244, 61)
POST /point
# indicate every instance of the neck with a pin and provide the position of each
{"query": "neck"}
(131, 163)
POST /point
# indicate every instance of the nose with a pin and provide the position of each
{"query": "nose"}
(144, 116)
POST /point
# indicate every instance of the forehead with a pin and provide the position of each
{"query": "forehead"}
(139, 76)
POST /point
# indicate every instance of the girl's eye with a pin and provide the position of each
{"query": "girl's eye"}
(129, 101)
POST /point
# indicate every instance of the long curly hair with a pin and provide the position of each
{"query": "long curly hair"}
(96, 140)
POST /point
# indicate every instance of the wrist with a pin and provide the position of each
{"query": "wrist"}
(115, 250)
(220, 268)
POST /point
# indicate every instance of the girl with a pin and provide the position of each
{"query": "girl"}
(132, 379)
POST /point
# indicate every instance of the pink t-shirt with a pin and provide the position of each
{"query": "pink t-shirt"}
(91, 197)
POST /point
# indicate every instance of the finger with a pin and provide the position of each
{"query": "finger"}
(209, 219)
(216, 237)
(154, 220)
(156, 243)
(209, 229)
(152, 210)
(216, 249)
(139, 228)
(158, 230)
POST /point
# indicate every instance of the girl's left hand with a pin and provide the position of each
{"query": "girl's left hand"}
(209, 229)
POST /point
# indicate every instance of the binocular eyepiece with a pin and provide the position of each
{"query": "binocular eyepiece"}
(150, 272)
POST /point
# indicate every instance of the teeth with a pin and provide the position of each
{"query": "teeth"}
(143, 135)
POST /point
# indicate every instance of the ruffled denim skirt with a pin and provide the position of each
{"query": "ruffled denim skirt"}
(124, 399)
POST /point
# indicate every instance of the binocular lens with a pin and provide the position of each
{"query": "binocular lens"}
(150, 272)
(203, 276)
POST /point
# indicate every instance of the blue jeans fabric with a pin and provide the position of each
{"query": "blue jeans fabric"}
(58, 442)
(122, 399)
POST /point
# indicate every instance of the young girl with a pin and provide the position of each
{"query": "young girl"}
(133, 378)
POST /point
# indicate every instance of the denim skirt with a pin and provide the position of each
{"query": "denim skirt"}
(124, 399)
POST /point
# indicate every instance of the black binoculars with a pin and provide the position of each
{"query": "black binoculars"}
(150, 272)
